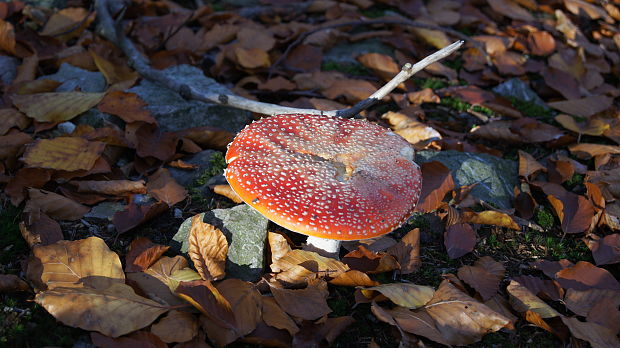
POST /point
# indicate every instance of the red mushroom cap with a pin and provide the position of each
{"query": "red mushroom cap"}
(326, 177)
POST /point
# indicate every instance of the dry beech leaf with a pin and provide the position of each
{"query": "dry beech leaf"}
(490, 217)
(246, 304)
(584, 275)
(541, 43)
(368, 261)
(522, 300)
(114, 311)
(511, 10)
(64, 153)
(54, 205)
(412, 130)
(142, 254)
(484, 276)
(128, 106)
(73, 263)
(165, 188)
(226, 191)
(594, 127)
(383, 65)
(7, 36)
(528, 165)
(26, 177)
(406, 295)
(461, 319)
(459, 240)
(12, 118)
(415, 322)
(436, 182)
(135, 339)
(252, 58)
(159, 281)
(12, 283)
(407, 252)
(274, 316)
(353, 278)
(207, 249)
(606, 250)
(543, 288)
(309, 303)
(278, 245)
(598, 336)
(56, 107)
(134, 215)
(176, 326)
(353, 90)
(586, 151)
(65, 21)
(574, 211)
(41, 230)
(208, 300)
(115, 74)
(582, 302)
(310, 260)
(111, 187)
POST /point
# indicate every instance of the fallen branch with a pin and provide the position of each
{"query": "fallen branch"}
(216, 93)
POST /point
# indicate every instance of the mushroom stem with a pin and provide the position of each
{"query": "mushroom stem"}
(324, 247)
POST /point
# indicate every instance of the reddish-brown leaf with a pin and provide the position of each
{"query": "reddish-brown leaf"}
(598, 336)
(309, 303)
(41, 230)
(111, 187)
(134, 215)
(53, 205)
(407, 252)
(543, 288)
(484, 276)
(142, 254)
(459, 240)
(164, 187)
(436, 182)
(528, 165)
(26, 177)
(585, 275)
(574, 211)
(208, 300)
(605, 250)
(12, 283)
(138, 339)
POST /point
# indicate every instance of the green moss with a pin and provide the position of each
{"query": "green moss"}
(544, 218)
(12, 244)
(575, 180)
(431, 83)
(354, 69)
(455, 64)
(373, 12)
(531, 109)
(463, 106)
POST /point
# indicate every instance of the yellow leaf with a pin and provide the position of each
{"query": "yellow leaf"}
(593, 127)
(490, 217)
(56, 107)
(207, 249)
(64, 153)
(523, 300)
(405, 294)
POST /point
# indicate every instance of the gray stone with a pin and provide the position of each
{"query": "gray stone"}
(66, 127)
(8, 69)
(97, 119)
(105, 210)
(348, 52)
(174, 113)
(45, 3)
(496, 177)
(73, 78)
(246, 232)
(518, 89)
(188, 177)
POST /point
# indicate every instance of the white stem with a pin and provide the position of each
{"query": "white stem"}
(323, 247)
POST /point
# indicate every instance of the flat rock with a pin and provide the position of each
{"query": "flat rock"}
(246, 232)
(105, 210)
(8, 69)
(348, 52)
(73, 78)
(174, 113)
(496, 177)
(98, 119)
(518, 89)
(203, 161)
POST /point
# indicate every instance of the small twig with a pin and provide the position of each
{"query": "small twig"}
(213, 92)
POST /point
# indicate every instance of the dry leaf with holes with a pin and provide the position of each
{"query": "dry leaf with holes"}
(207, 249)
(56, 107)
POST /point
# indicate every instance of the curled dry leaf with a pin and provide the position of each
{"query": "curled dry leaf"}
(490, 217)
(12, 283)
(207, 249)
(484, 276)
(543, 288)
(309, 303)
(407, 252)
(208, 300)
(522, 300)
(528, 165)
(586, 151)
(142, 254)
(278, 245)
(56, 107)
(42, 230)
(574, 211)
(274, 316)
(114, 311)
(53, 205)
(176, 326)
(436, 182)
(368, 261)
(226, 191)
(78, 263)
(459, 240)
(412, 130)
(312, 261)
(111, 187)
(64, 153)
(165, 188)
(415, 322)
(406, 295)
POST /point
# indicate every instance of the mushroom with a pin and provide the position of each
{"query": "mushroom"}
(330, 178)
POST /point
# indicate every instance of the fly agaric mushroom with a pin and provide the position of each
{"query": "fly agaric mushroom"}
(330, 178)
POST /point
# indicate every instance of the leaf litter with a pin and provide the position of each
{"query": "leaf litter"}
(58, 169)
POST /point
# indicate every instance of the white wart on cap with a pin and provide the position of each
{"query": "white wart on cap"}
(326, 177)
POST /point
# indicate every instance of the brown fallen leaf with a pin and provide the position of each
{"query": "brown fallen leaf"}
(353, 278)
(128, 106)
(142, 254)
(164, 187)
(583, 302)
(274, 316)
(12, 283)
(26, 177)
(584, 275)
(312, 334)
(598, 336)
(586, 151)
(134, 215)
(528, 165)
(543, 288)
(407, 252)
(459, 239)
(490, 217)
(541, 43)
(64, 153)
(409, 128)
(41, 230)
(117, 75)
(114, 311)
(159, 281)
(207, 249)
(511, 10)
(12, 118)
(53, 205)
(176, 326)
(252, 58)
(574, 211)
(484, 276)
(226, 191)
(56, 107)
(416, 322)
(7, 36)
(352, 90)
(310, 261)
(368, 261)
(437, 181)
(522, 300)
(135, 339)
(406, 295)
(593, 127)
(208, 300)
(278, 245)
(111, 187)
(382, 65)
(605, 250)
(309, 303)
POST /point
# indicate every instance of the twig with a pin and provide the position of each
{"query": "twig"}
(406, 22)
(213, 92)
